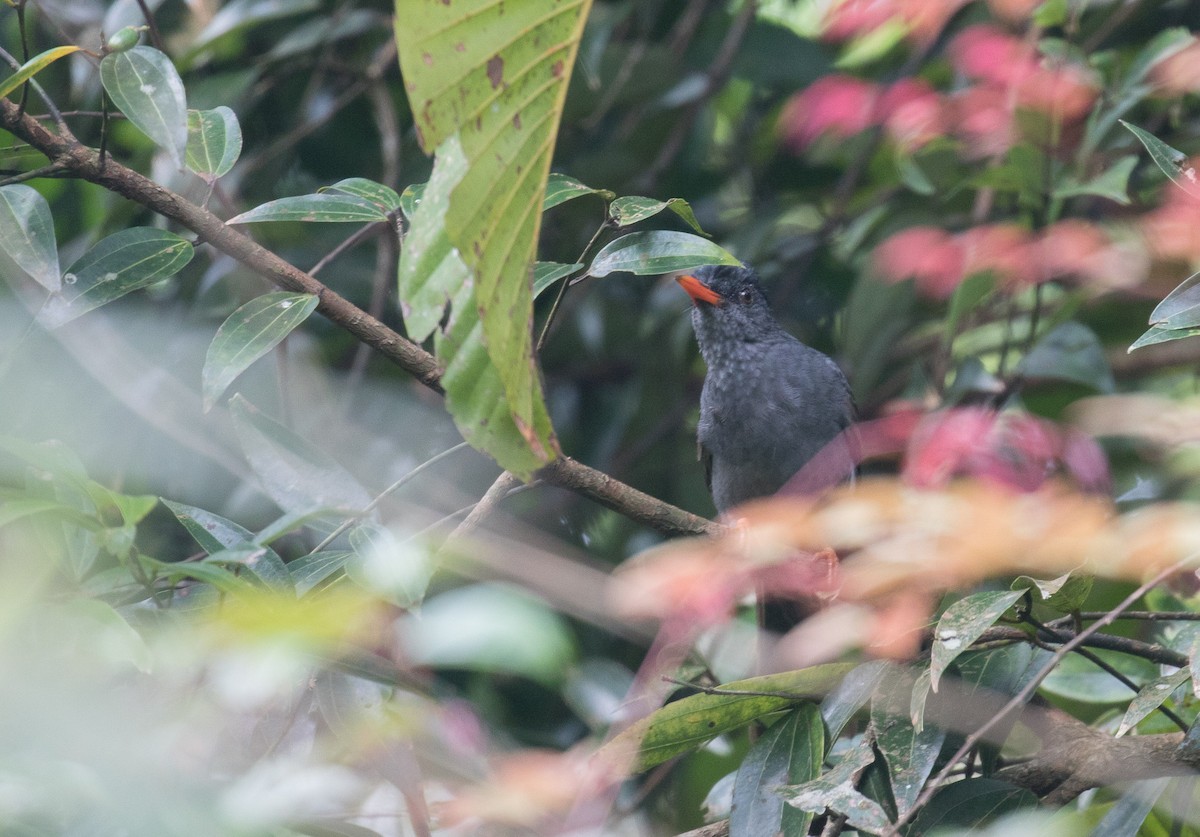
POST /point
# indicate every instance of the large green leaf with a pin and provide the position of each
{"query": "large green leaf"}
(963, 623)
(789, 753)
(249, 333)
(295, 473)
(119, 264)
(145, 86)
(487, 79)
(1172, 161)
(27, 234)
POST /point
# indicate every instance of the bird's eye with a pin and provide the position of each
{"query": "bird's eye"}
(745, 295)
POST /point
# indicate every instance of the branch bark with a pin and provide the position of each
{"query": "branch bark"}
(83, 162)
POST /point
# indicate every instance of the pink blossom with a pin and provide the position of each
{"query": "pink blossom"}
(838, 105)
(928, 255)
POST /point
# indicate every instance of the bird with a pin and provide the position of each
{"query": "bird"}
(769, 403)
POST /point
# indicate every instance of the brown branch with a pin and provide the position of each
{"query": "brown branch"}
(85, 163)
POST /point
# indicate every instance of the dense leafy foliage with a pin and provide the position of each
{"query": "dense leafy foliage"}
(269, 264)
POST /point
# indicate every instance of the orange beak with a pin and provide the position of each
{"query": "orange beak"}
(698, 291)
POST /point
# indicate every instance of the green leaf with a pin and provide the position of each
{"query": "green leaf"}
(1066, 594)
(971, 804)
(213, 532)
(657, 252)
(912, 176)
(495, 112)
(1112, 184)
(294, 473)
(27, 234)
(123, 262)
(34, 66)
(1172, 161)
(489, 627)
(629, 210)
(262, 561)
(327, 207)
(790, 752)
(852, 694)
(910, 753)
(410, 198)
(1181, 307)
(214, 141)
(145, 86)
(432, 273)
(686, 724)
(382, 196)
(19, 509)
(546, 274)
(1158, 334)
(1070, 352)
(310, 570)
(213, 574)
(249, 333)
(1079, 679)
(1151, 696)
(963, 623)
(836, 792)
(970, 292)
(561, 188)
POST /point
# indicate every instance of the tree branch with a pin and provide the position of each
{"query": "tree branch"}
(84, 162)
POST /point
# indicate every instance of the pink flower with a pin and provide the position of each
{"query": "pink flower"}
(983, 118)
(913, 113)
(989, 54)
(838, 105)
(928, 255)
(1003, 249)
(1179, 73)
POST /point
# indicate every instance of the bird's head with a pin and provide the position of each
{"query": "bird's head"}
(728, 304)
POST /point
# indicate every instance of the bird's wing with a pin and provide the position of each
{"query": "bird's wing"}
(705, 456)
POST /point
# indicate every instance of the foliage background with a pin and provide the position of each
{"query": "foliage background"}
(781, 125)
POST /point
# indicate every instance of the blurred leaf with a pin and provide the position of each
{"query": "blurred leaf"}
(330, 828)
(546, 274)
(123, 262)
(325, 208)
(21, 508)
(398, 570)
(1051, 13)
(1079, 679)
(1129, 813)
(630, 210)
(486, 86)
(382, 196)
(214, 141)
(146, 87)
(111, 636)
(241, 14)
(1112, 183)
(971, 803)
(1151, 696)
(214, 574)
(1158, 334)
(790, 752)
(1172, 161)
(27, 234)
(1070, 352)
(963, 623)
(295, 474)
(262, 561)
(684, 725)
(310, 570)
(561, 188)
(213, 532)
(313, 34)
(489, 627)
(970, 292)
(912, 176)
(656, 252)
(249, 333)
(872, 46)
(34, 66)
(1193, 655)
(836, 791)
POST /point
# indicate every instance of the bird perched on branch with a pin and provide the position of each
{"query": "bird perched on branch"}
(769, 403)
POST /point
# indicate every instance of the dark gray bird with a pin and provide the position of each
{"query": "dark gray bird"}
(769, 403)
